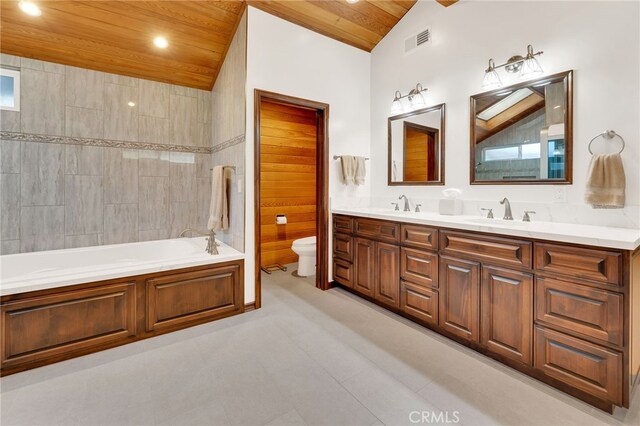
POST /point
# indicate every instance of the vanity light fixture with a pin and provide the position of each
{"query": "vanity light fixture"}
(30, 8)
(528, 66)
(161, 42)
(415, 97)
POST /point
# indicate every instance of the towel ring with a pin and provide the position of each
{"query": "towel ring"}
(608, 134)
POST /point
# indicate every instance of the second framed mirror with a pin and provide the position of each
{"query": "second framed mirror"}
(416, 147)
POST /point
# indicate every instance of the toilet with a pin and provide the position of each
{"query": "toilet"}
(305, 248)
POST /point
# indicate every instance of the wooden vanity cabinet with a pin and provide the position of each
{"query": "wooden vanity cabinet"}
(559, 312)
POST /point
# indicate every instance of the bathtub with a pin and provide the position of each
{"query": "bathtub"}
(61, 304)
(25, 272)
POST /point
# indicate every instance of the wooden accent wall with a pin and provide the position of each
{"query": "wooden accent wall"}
(419, 153)
(288, 142)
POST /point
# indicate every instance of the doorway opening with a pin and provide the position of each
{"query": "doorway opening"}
(291, 186)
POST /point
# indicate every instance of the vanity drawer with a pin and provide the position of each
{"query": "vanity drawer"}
(419, 237)
(585, 310)
(497, 250)
(419, 302)
(582, 365)
(343, 246)
(419, 267)
(578, 262)
(342, 224)
(377, 229)
(343, 272)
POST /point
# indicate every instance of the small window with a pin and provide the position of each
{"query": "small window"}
(9, 89)
(526, 151)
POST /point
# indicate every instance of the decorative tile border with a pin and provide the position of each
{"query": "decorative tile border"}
(229, 143)
(68, 140)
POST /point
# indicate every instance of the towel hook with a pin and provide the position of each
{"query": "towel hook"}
(608, 135)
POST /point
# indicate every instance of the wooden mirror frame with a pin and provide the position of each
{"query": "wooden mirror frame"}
(567, 77)
(440, 181)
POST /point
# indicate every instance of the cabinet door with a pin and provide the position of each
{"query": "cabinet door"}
(459, 297)
(364, 261)
(387, 271)
(507, 313)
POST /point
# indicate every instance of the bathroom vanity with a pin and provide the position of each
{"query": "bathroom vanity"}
(566, 313)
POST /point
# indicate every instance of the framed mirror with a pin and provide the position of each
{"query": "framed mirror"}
(416, 147)
(523, 134)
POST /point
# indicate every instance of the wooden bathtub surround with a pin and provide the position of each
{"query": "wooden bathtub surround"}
(47, 326)
(564, 314)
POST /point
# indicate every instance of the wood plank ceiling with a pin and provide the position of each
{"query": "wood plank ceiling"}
(116, 36)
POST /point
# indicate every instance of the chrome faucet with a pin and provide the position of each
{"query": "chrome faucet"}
(212, 246)
(507, 209)
(526, 217)
(406, 203)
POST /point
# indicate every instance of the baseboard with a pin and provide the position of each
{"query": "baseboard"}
(251, 306)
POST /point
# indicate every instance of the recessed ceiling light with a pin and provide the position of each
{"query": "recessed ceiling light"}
(160, 42)
(131, 104)
(352, 1)
(30, 8)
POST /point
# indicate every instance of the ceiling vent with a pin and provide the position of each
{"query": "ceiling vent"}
(415, 41)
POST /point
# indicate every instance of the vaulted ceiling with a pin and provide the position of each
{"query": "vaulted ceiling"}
(116, 36)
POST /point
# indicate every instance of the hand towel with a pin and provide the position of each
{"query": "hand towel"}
(361, 170)
(218, 209)
(605, 182)
(348, 169)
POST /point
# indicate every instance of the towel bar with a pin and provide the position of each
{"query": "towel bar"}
(607, 134)
(337, 157)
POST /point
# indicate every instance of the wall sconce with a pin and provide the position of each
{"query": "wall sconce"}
(528, 66)
(414, 96)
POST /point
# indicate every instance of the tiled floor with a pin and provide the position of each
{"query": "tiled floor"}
(306, 357)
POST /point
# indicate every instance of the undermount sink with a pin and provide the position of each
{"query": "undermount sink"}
(498, 222)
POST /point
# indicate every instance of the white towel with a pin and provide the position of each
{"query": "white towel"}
(348, 169)
(218, 209)
(361, 170)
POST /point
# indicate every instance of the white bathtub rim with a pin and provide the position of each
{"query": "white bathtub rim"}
(29, 283)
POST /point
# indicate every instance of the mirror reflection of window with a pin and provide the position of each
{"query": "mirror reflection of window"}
(519, 132)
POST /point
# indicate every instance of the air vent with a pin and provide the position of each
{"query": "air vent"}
(417, 40)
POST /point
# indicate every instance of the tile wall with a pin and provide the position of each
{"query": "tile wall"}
(57, 195)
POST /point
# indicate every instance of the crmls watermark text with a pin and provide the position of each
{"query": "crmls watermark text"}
(434, 417)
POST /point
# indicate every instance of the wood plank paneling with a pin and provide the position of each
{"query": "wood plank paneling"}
(116, 36)
(288, 137)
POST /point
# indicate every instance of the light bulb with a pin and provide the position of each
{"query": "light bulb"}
(30, 8)
(417, 100)
(396, 107)
(160, 42)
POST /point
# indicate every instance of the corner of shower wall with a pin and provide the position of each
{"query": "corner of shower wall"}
(228, 131)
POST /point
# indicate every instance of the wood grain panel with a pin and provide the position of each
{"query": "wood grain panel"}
(585, 310)
(183, 298)
(343, 246)
(507, 313)
(362, 24)
(387, 274)
(364, 265)
(594, 264)
(419, 267)
(288, 135)
(343, 272)
(507, 251)
(419, 302)
(377, 229)
(419, 236)
(117, 37)
(460, 297)
(583, 365)
(42, 327)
